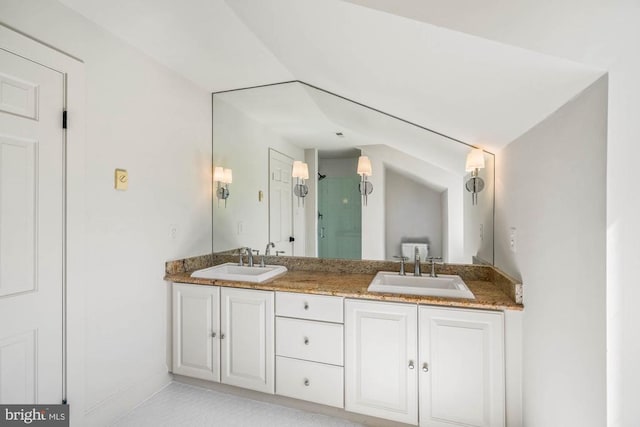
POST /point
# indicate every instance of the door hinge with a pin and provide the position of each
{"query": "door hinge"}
(64, 119)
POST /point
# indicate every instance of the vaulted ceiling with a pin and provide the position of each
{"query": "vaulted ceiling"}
(385, 54)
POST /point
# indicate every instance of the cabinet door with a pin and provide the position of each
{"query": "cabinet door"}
(461, 368)
(381, 360)
(196, 325)
(247, 339)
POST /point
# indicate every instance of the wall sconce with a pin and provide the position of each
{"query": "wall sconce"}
(223, 177)
(364, 170)
(300, 172)
(475, 184)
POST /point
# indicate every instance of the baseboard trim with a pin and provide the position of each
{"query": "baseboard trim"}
(123, 401)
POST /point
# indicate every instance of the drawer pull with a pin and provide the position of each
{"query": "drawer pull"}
(411, 366)
(306, 305)
(425, 367)
(306, 341)
(306, 382)
(222, 336)
(213, 334)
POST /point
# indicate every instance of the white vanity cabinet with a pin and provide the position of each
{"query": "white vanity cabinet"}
(426, 365)
(246, 339)
(381, 360)
(461, 367)
(309, 348)
(446, 364)
(224, 335)
(196, 331)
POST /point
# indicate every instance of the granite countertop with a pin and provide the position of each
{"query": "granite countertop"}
(483, 283)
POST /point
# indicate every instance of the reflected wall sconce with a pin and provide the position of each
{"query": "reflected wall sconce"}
(300, 172)
(223, 177)
(364, 170)
(475, 184)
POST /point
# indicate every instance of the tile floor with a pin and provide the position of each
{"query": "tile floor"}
(183, 405)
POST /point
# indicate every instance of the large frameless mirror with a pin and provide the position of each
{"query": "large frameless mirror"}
(322, 176)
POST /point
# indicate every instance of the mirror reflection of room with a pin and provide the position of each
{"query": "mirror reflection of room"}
(300, 183)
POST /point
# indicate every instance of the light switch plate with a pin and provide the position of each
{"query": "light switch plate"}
(122, 180)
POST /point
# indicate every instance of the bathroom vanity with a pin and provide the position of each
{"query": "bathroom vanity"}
(317, 334)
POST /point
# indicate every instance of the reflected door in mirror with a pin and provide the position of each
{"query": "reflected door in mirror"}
(280, 202)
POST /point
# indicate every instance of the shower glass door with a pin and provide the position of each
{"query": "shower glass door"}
(339, 218)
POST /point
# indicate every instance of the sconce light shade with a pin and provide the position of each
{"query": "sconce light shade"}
(223, 177)
(364, 166)
(475, 160)
(300, 170)
(227, 176)
(475, 184)
(218, 174)
(364, 170)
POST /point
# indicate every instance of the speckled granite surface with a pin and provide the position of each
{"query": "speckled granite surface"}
(493, 289)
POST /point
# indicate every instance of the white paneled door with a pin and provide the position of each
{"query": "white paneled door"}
(461, 368)
(280, 201)
(196, 331)
(380, 366)
(31, 231)
(246, 339)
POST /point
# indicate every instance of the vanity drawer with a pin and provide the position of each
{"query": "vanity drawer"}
(309, 340)
(306, 306)
(310, 381)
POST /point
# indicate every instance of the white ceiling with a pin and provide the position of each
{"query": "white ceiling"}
(474, 89)
(310, 118)
(201, 39)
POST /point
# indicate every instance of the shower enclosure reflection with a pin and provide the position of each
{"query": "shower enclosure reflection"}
(339, 217)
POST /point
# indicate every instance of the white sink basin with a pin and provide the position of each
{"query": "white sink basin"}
(444, 285)
(237, 273)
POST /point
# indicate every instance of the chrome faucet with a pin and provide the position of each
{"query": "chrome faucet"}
(402, 260)
(416, 263)
(249, 257)
(267, 250)
(249, 252)
(433, 265)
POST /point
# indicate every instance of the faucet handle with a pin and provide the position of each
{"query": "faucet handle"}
(280, 252)
(434, 258)
(402, 260)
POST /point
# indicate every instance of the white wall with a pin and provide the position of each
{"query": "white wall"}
(242, 144)
(478, 219)
(311, 204)
(373, 221)
(148, 120)
(551, 188)
(341, 167)
(413, 214)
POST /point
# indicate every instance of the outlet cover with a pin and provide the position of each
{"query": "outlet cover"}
(512, 240)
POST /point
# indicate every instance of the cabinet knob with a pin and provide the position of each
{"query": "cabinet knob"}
(222, 336)
(411, 366)
(306, 306)
(213, 334)
(306, 382)
(306, 341)
(425, 367)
